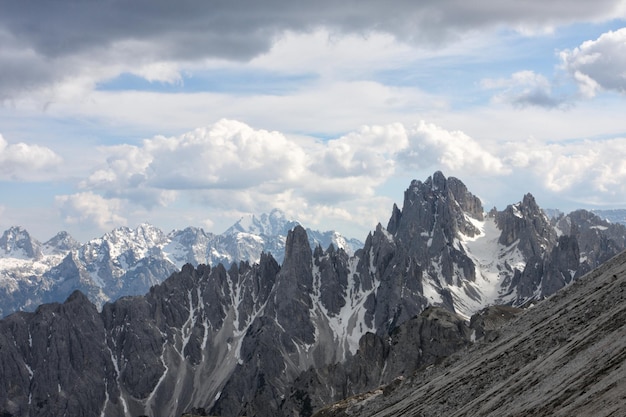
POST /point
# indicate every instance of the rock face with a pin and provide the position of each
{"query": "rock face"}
(48, 359)
(140, 355)
(265, 340)
(564, 357)
(597, 239)
(418, 342)
(570, 247)
(527, 225)
(426, 233)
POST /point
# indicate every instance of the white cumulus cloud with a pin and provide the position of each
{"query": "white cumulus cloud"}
(230, 167)
(586, 171)
(91, 209)
(432, 146)
(24, 162)
(226, 155)
(367, 152)
(230, 156)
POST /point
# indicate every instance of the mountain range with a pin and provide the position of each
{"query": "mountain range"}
(286, 339)
(129, 261)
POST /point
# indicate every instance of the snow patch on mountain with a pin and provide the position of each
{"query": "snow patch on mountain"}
(346, 327)
(495, 262)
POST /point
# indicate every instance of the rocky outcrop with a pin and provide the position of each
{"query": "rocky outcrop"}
(140, 354)
(418, 258)
(561, 267)
(486, 323)
(420, 341)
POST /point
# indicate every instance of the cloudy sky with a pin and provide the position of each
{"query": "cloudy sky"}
(194, 113)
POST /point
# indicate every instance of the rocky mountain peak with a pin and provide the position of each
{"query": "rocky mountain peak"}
(582, 220)
(438, 204)
(149, 232)
(277, 216)
(60, 243)
(17, 242)
(298, 254)
(137, 242)
(525, 223)
(439, 181)
(274, 223)
(143, 234)
(394, 220)
(79, 298)
(468, 202)
(529, 201)
(188, 235)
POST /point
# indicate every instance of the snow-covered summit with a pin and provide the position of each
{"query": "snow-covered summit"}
(60, 243)
(274, 223)
(16, 242)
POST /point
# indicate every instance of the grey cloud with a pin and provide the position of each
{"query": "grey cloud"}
(239, 30)
(599, 64)
(527, 88)
(539, 98)
(594, 65)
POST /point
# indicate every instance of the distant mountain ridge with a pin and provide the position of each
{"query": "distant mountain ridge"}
(613, 216)
(129, 261)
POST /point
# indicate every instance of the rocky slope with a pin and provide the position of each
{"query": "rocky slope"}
(269, 340)
(564, 357)
(129, 261)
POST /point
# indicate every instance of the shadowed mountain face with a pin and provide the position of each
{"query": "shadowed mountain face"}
(265, 340)
(564, 357)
